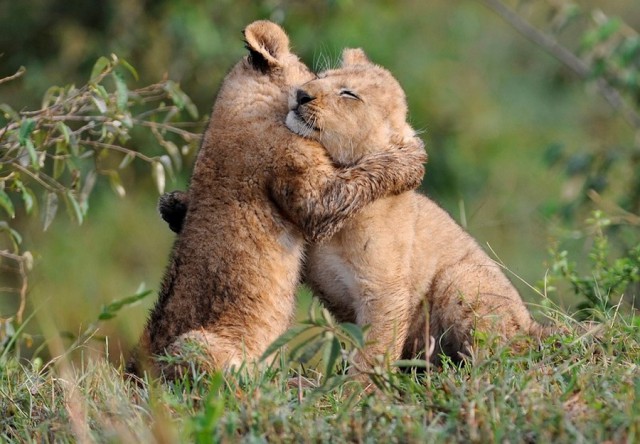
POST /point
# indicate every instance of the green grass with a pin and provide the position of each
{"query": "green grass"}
(580, 387)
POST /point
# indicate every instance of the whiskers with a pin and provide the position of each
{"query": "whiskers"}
(303, 125)
(323, 61)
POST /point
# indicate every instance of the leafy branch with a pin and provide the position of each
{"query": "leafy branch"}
(606, 54)
(586, 69)
(54, 155)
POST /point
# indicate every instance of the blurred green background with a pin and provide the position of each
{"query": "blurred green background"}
(492, 106)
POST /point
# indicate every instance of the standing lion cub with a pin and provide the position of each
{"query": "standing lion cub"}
(257, 193)
(402, 260)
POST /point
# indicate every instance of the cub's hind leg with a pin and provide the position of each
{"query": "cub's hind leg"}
(202, 349)
(474, 296)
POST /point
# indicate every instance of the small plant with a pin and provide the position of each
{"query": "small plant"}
(330, 348)
(603, 287)
(321, 336)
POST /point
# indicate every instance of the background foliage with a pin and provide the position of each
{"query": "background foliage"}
(523, 145)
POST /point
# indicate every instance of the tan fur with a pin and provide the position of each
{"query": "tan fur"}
(400, 252)
(257, 193)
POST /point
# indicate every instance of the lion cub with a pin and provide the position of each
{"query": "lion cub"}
(257, 193)
(402, 261)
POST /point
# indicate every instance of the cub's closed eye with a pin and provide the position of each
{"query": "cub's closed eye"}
(348, 94)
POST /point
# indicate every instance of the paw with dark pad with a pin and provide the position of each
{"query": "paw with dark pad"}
(173, 209)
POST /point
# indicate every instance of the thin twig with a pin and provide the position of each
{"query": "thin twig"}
(188, 136)
(619, 213)
(75, 118)
(18, 73)
(54, 186)
(568, 58)
(7, 128)
(96, 144)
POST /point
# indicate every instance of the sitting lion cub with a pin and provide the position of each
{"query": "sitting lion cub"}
(400, 252)
(402, 260)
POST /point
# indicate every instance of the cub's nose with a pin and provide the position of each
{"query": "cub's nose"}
(303, 97)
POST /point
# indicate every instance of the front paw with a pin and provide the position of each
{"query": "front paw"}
(414, 147)
(173, 209)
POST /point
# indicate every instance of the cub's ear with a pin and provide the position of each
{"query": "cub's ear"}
(267, 44)
(354, 56)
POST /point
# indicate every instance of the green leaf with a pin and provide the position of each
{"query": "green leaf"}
(130, 68)
(74, 148)
(157, 171)
(174, 153)
(27, 196)
(354, 332)
(332, 353)
(51, 96)
(26, 128)
(310, 351)
(175, 93)
(180, 99)
(629, 50)
(214, 407)
(126, 160)
(100, 104)
(87, 187)
(127, 121)
(16, 239)
(601, 33)
(316, 337)
(168, 166)
(65, 131)
(9, 112)
(73, 207)
(116, 183)
(608, 28)
(102, 92)
(326, 316)
(50, 209)
(99, 68)
(284, 339)
(6, 204)
(122, 92)
(109, 311)
(33, 155)
(58, 168)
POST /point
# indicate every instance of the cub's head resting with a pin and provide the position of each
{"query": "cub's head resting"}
(354, 110)
(254, 93)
